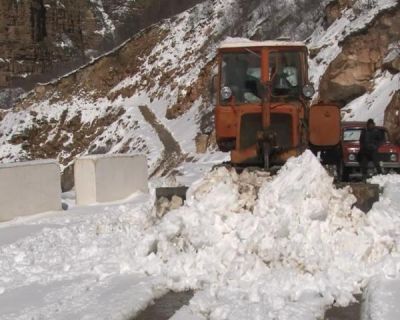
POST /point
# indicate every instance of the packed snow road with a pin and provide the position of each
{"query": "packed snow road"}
(250, 245)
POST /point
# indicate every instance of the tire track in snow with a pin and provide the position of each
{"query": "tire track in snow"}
(172, 155)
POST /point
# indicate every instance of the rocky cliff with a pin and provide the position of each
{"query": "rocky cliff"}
(42, 39)
(349, 75)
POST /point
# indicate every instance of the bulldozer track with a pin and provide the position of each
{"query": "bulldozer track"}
(172, 154)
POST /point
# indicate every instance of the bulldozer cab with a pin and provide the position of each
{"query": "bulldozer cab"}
(286, 73)
(247, 68)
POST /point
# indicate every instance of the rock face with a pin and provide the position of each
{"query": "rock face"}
(334, 9)
(42, 39)
(36, 35)
(349, 75)
(392, 117)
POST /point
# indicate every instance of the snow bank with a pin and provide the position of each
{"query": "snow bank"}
(78, 264)
(380, 300)
(384, 215)
(251, 245)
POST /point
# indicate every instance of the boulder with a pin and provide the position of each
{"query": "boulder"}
(351, 73)
(366, 194)
(202, 143)
(392, 59)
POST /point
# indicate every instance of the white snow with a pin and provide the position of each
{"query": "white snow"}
(299, 250)
(240, 42)
(189, 172)
(381, 299)
(108, 25)
(76, 264)
(373, 104)
(252, 246)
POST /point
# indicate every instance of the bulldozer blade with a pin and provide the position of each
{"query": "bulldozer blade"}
(366, 194)
(169, 192)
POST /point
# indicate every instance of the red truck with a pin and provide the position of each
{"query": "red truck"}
(389, 153)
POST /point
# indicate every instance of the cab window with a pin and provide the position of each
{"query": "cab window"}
(285, 73)
(241, 73)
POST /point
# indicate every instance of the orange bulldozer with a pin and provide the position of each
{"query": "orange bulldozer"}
(263, 113)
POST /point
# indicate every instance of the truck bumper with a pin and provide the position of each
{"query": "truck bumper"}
(386, 165)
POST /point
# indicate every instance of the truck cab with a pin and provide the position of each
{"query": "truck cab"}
(388, 152)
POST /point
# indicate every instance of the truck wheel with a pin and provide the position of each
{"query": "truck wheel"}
(343, 172)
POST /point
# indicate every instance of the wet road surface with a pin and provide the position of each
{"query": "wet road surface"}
(165, 307)
(352, 312)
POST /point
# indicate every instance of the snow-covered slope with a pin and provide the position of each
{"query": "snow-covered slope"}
(372, 104)
(167, 68)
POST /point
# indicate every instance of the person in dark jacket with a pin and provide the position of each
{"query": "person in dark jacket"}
(370, 141)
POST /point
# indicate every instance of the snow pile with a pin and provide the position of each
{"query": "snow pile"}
(302, 247)
(382, 294)
(385, 218)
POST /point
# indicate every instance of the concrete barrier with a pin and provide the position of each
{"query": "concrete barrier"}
(107, 178)
(28, 188)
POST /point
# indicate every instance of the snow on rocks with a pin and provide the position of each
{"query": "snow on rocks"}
(373, 104)
(327, 42)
